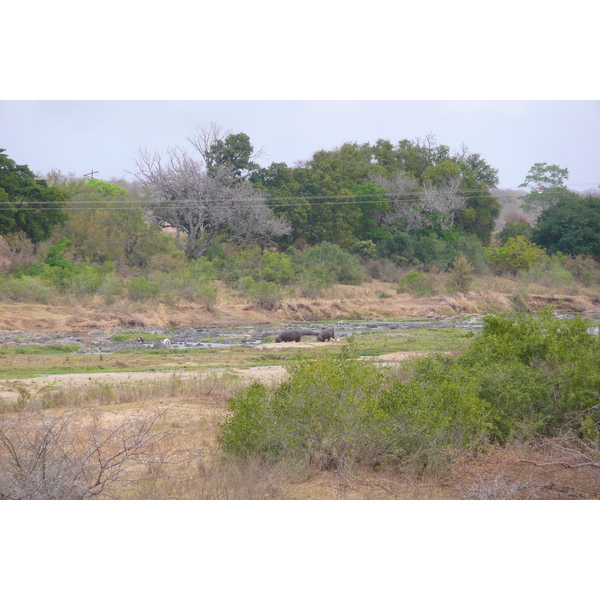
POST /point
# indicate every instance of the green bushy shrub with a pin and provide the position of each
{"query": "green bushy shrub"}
(27, 289)
(330, 261)
(111, 287)
(550, 274)
(432, 414)
(277, 268)
(516, 255)
(140, 289)
(326, 414)
(191, 282)
(523, 376)
(538, 374)
(206, 295)
(266, 294)
(416, 284)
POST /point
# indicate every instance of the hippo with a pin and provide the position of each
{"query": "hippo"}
(288, 336)
(326, 334)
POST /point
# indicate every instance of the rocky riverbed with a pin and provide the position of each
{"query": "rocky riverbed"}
(101, 341)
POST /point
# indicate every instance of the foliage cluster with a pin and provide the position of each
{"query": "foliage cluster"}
(518, 254)
(434, 251)
(523, 376)
(570, 226)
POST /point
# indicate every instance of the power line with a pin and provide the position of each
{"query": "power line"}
(136, 205)
(272, 202)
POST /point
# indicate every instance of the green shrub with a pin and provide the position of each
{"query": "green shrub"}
(365, 248)
(550, 274)
(206, 295)
(433, 414)
(277, 268)
(330, 261)
(326, 414)
(27, 289)
(266, 294)
(516, 255)
(523, 376)
(430, 251)
(415, 284)
(313, 284)
(110, 287)
(334, 412)
(139, 288)
(537, 373)
(244, 285)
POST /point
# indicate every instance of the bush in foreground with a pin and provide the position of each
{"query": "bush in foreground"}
(524, 376)
(336, 411)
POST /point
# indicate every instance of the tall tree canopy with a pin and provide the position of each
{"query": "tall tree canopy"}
(341, 195)
(547, 186)
(571, 226)
(27, 204)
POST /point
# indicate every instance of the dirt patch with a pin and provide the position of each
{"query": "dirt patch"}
(12, 390)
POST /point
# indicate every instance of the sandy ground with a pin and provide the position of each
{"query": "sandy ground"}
(9, 388)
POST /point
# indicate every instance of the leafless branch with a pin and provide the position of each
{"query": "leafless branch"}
(71, 456)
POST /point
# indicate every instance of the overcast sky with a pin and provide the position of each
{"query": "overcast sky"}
(81, 136)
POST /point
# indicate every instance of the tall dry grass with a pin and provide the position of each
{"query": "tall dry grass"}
(214, 386)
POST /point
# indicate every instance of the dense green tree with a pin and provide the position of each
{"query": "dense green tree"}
(514, 229)
(234, 151)
(282, 190)
(571, 226)
(547, 185)
(360, 192)
(28, 204)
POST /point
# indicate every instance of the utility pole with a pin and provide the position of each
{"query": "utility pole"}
(91, 175)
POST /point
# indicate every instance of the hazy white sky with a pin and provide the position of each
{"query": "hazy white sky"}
(78, 136)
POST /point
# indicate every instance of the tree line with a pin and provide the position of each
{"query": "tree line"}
(412, 202)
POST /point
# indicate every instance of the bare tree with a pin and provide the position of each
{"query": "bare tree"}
(413, 207)
(442, 201)
(404, 207)
(205, 204)
(71, 456)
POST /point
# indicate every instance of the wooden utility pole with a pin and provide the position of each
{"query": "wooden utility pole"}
(91, 175)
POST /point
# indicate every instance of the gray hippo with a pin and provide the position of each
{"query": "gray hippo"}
(326, 334)
(288, 336)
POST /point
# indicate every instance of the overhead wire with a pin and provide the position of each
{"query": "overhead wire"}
(272, 201)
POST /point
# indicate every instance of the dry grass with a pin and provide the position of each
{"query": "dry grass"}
(184, 460)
